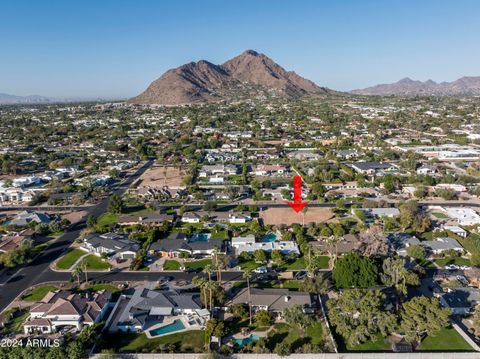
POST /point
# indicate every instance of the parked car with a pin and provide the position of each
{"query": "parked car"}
(260, 270)
(464, 267)
(462, 279)
(300, 275)
(452, 267)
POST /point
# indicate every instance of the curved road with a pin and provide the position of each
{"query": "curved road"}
(38, 270)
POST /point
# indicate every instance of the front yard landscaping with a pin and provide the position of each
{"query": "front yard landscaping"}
(171, 264)
(69, 259)
(459, 261)
(200, 264)
(38, 293)
(95, 263)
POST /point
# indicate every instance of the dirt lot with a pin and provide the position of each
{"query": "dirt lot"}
(288, 216)
(162, 176)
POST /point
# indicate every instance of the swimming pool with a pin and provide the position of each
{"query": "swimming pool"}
(172, 327)
(271, 237)
(200, 237)
(248, 340)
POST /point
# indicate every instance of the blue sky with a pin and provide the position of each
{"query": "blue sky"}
(105, 48)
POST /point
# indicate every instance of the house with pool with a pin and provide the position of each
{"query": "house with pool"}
(157, 312)
(200, 244)
(275, 300)
(268, 243)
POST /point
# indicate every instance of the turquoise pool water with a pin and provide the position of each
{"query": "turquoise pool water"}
(248, 340)
(271, 237)
(173, 327)
(200, 237)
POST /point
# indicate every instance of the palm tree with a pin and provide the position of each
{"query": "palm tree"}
(211, 286)
(208, 269)
(201, 283)
(247, 273)
(215, 253)
(77, 272)
(83, 265)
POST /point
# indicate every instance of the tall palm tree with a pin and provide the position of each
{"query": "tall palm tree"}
(208, 269)
(201, 282)
(77, 272)
(247, 273)
(83, 265)
(215, 254)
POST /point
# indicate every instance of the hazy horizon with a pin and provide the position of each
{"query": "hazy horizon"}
(115, 49)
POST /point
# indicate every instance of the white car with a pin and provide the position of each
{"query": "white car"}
(452, 267)
(464, 267)
(261, 270)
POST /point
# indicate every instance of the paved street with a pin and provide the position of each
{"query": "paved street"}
(11, 285)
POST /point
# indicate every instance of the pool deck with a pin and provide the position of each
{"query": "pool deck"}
(185, 321)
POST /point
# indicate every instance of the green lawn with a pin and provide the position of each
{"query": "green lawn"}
(107, 219)
(459, 261)
(379, 344)
(291, 284)
(57, 234)
(190, 341)
(95, 263)
(446, 339)
(300, 263)
(70, 258)
(294, 336)
(198, 264)
(249, 265)
(223, 235)
(38, 293)
(439, 215)
(14, 320)
(171, 265)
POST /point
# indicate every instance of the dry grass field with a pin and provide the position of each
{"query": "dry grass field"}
(288, 216)
(162, 176)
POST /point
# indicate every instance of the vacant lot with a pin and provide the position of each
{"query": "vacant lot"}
(288, 216)
(162, 176)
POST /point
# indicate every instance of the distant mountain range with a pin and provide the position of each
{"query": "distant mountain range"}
(465, 86)
(246, 75)
(7, 99)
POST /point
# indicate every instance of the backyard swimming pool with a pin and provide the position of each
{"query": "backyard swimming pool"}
(172, 327)
(248, 340)
(271, 237)
(200, 237)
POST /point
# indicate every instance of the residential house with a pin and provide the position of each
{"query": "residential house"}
(459, 231)
(274, 300)
(442, 244)
(373, 168)
(63, 309)
(140, 308)
(27, 216)
(347, 243)
(177, 243)
(154, 219)
(399, 242)
(112, 244)
(270, 170)
(13, 240)
(461, 301)
(426, 170)
(463, 216)
(249, 244)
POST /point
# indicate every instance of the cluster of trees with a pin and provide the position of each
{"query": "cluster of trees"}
(356, 271)
(359, 315)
